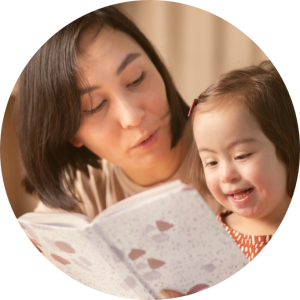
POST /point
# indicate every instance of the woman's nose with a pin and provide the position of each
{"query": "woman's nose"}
(131, 113)
(229, 173)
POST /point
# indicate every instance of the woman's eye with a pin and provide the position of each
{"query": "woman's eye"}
(137, 81)
(96, 109)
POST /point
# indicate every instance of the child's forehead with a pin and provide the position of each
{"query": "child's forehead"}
(235, 119)
(224, 118)
(218, 102)
(225, 128)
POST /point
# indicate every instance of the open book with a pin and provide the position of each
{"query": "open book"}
(164, 238)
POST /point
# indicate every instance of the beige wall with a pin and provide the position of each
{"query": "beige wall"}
(196, 46)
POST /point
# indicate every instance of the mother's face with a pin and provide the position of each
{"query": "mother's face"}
(125, 112)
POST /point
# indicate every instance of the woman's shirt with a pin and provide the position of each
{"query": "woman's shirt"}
(251, 245)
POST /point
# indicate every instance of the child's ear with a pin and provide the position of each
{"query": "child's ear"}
(75, 142)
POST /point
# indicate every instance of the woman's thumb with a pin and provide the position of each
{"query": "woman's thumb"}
(168, 294)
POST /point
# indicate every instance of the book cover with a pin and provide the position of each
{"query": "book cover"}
(164, 238)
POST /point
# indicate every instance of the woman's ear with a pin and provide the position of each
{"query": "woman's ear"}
(75, 142)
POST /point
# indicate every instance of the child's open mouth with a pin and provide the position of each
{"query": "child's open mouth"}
(241, 194)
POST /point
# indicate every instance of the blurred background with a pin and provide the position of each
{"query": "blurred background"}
(196, 46)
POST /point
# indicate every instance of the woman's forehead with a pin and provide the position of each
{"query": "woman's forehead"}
(95, 41)
(105, 53)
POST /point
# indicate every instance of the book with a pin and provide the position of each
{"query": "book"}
(163, 238)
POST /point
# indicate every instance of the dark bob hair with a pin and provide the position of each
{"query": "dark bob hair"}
(262, 90)
(48, 109)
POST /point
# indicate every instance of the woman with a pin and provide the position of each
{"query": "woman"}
(99, 118)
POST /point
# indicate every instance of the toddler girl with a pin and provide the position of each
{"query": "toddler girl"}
(246, 136)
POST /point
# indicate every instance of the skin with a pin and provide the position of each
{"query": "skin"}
(167, 294)
(237, 156)
(125, 104)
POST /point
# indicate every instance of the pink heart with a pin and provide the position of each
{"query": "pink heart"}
(163, 226)
(136, 253)
(155, 263)
(197, 288)
(60, 259)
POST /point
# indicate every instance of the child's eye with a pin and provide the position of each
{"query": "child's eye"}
(211, 164)
(241, 157)
(137, 81)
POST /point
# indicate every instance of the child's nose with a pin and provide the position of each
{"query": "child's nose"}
(229, 173)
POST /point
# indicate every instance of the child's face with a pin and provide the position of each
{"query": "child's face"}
(240, 164)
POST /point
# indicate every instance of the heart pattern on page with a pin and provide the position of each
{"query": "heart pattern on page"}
(163, 226)
(155, 263)
(136, 253)
(197, 288)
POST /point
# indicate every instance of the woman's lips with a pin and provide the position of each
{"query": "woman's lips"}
(147, 142)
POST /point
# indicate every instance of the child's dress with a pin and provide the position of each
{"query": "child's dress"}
(251, 245)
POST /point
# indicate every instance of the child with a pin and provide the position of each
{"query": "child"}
(246, 133)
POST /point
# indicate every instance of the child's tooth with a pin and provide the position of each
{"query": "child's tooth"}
(238, 196)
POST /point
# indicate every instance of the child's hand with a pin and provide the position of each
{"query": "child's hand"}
(168, 294)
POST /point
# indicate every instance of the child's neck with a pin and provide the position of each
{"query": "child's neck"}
(266, 225)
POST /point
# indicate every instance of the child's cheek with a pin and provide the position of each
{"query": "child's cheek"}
(213, 186)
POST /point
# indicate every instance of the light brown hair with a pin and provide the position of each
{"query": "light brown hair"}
(262, 90)
(49, 109)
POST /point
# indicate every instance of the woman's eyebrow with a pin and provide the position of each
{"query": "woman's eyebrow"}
(128, 59)
(88, 90)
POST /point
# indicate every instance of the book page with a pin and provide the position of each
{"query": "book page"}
(79, 252)
(172, 242)
(165, 238)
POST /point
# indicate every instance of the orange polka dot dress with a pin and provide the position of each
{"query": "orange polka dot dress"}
(251, 245)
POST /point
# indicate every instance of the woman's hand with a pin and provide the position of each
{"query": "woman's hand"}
(168, 294)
